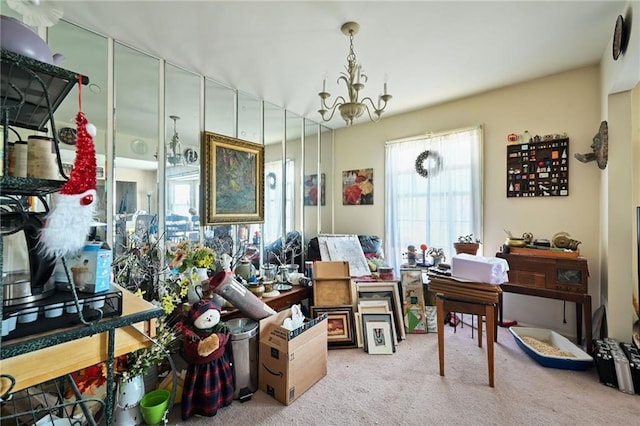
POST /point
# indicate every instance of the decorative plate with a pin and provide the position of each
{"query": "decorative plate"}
(139, 146)
(619, 35)
(67, 135)
(190, 156)
(282, 287)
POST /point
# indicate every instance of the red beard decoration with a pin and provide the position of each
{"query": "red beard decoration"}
(68, 223)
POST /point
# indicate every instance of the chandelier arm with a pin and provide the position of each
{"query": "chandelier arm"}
(376, 111)
(333, 107)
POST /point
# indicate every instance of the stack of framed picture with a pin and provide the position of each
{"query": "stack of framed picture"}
(379, 322)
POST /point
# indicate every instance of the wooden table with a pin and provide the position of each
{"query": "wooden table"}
(286, 298)
(552, 278)
(467, 297)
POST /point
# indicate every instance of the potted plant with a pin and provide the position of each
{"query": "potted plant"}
(437, 254)
(467, 244)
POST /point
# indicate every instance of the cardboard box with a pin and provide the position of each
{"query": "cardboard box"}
(291, 361)
(332, 284)
(97, 256)
(481, 269)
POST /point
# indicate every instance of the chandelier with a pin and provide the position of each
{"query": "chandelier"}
(174, 153)
(354, 79)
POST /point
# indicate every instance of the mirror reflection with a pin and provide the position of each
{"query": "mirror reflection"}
(296, 150)
(312, 194)
(136, 138)
(182, 151)
(326, 175)
(88, 58)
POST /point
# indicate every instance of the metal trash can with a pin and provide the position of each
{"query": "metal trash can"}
(244, 344)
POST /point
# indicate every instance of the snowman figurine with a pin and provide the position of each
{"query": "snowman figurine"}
(209, 382)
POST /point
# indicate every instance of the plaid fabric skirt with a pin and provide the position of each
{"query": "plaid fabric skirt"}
(208, 387)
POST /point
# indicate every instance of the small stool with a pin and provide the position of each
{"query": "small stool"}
(467, 297)
(444, 305)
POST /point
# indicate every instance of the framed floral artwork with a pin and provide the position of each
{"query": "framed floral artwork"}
(314, 189)
(357, 187)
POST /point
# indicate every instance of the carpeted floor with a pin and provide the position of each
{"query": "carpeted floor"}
(406, 389)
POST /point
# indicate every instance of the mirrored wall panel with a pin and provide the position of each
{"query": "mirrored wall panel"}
(136, 143)
(327, 180)
(182, 154)
(312, 193)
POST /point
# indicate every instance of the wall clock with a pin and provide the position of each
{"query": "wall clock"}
(619, 38)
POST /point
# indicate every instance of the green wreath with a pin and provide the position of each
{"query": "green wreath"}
(425, 155)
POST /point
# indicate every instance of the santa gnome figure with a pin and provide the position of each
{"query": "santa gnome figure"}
(68, 223)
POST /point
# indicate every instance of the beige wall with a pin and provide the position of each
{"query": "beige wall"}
(619, 186)
(567, 102)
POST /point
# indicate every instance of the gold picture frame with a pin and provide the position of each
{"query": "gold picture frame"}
(232, 180)
(341, 332)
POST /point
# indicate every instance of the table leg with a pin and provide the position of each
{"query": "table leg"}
(495, 323)
(440, 318)
(479, 330)
(587, 322)
(579, 308)
(490, 311)
(500, 307)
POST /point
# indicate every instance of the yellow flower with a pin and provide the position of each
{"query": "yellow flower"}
(167, 304)
(140, 293)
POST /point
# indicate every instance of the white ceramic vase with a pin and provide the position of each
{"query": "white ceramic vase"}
(127, 409)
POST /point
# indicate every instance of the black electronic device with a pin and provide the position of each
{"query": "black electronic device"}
(541, 243)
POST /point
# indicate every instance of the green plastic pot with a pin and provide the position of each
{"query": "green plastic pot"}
(153, 406)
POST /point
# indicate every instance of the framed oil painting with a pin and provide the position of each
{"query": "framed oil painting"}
(314, 190)
(357, 187)
(232, 180)
(341, 328)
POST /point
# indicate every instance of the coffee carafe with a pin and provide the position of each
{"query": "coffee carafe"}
(27, 273)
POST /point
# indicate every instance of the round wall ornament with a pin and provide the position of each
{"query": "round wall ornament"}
(428, 157)
(271, 180)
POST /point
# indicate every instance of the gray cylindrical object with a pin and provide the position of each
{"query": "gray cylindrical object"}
(244, 344)
(240, 296)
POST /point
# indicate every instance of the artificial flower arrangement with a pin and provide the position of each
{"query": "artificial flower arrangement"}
(436, 252)
(138, 363)
(186, 255)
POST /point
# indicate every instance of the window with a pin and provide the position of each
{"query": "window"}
(273, 211)
(433, 210)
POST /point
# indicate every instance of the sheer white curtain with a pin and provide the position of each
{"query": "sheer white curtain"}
(273, 200)
(437, 209)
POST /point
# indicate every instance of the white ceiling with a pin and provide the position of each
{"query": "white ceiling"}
(431, 51)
